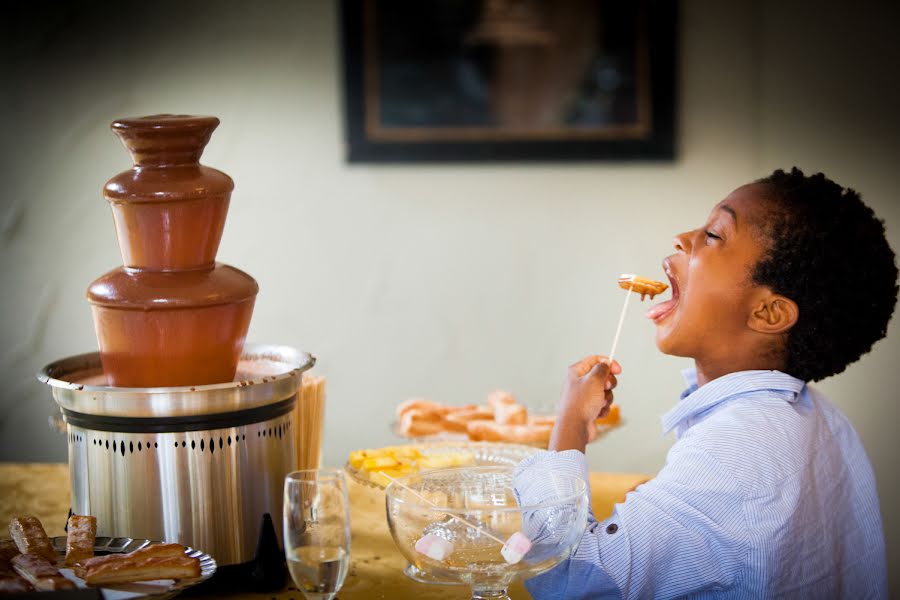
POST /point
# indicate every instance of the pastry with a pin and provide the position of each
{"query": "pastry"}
(146, 569)
(14, 585)
(40, 573)
(159, 561)
(153, 550)
(506, 410)
(419, 404)
(510, 414)
(613, 417)
(417, 422)
(458, 420)
(81, 533)
(8, 550)
(499, 398)
(542, 420)
(491, 431)
(30, 537)
(641, 285)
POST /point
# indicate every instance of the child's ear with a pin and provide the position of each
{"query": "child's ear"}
(774, 313)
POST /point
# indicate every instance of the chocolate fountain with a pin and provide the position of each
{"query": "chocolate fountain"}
(171, 315)
(177, 431)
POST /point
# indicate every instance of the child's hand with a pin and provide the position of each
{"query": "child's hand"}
(587, 394)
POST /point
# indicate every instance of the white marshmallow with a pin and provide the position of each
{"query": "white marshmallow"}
(515, 548)
(434, 547)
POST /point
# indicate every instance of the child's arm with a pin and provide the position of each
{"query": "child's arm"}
(679, 534)
(587, 394)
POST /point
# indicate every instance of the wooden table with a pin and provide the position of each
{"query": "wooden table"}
(376, 566)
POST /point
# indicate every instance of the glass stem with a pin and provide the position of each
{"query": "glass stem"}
(490, 595)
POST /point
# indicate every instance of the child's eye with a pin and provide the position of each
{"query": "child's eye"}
(711, 235)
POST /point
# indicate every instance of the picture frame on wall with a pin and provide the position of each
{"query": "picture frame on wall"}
(476, 80)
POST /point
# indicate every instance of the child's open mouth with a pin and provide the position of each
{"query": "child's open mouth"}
(662, 310)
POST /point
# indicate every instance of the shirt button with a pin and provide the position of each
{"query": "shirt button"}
(612, 528)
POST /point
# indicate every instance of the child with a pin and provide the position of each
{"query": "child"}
(767, 490)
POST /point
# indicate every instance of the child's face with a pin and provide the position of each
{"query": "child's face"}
(712, 290)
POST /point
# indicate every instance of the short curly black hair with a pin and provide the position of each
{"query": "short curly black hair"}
(828, 253)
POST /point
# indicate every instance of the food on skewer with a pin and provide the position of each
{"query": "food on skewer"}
(434, 547)
(30, 537)
(639, 285)
(80, 537)
(642, 285)
(515, 548)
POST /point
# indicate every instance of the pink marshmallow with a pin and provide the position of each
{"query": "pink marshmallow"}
(434, 547)
(515, 548)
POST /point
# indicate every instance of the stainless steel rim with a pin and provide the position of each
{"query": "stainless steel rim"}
(273, 375)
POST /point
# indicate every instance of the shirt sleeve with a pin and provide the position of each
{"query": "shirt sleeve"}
(683, 532)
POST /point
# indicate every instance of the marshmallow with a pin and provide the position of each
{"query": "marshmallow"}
(515, 548)
(435, 547)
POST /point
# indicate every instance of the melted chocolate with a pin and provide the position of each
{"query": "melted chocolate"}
(171, 315)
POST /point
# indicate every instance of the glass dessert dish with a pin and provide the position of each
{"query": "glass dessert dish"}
(467, 525)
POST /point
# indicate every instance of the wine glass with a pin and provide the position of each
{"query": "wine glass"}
(459, 524)
(317, 531)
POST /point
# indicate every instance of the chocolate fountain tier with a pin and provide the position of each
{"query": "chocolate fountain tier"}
(171, 316)
(168, 209)
(160, 328)
(165, 139)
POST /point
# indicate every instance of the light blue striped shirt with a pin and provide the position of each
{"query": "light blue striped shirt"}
(767, 492)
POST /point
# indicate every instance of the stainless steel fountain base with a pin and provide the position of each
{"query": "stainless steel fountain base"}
(199, 465)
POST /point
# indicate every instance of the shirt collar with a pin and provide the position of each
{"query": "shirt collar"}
(695, 400)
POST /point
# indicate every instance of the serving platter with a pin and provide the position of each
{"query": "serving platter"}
(485, 454)
(460, 437)
(159, 589)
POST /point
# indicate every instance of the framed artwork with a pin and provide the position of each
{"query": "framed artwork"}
(475, 80)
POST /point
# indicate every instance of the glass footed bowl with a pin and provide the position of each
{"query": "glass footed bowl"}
(474, 511)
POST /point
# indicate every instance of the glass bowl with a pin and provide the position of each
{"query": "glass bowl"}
(470, 513)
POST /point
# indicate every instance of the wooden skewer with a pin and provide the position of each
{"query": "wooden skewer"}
(615, 343)
(451, 515)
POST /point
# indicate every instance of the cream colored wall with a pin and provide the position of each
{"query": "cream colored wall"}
(445, 281)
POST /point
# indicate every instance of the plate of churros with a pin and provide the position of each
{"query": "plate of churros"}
(118, 568)
(500, 419)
